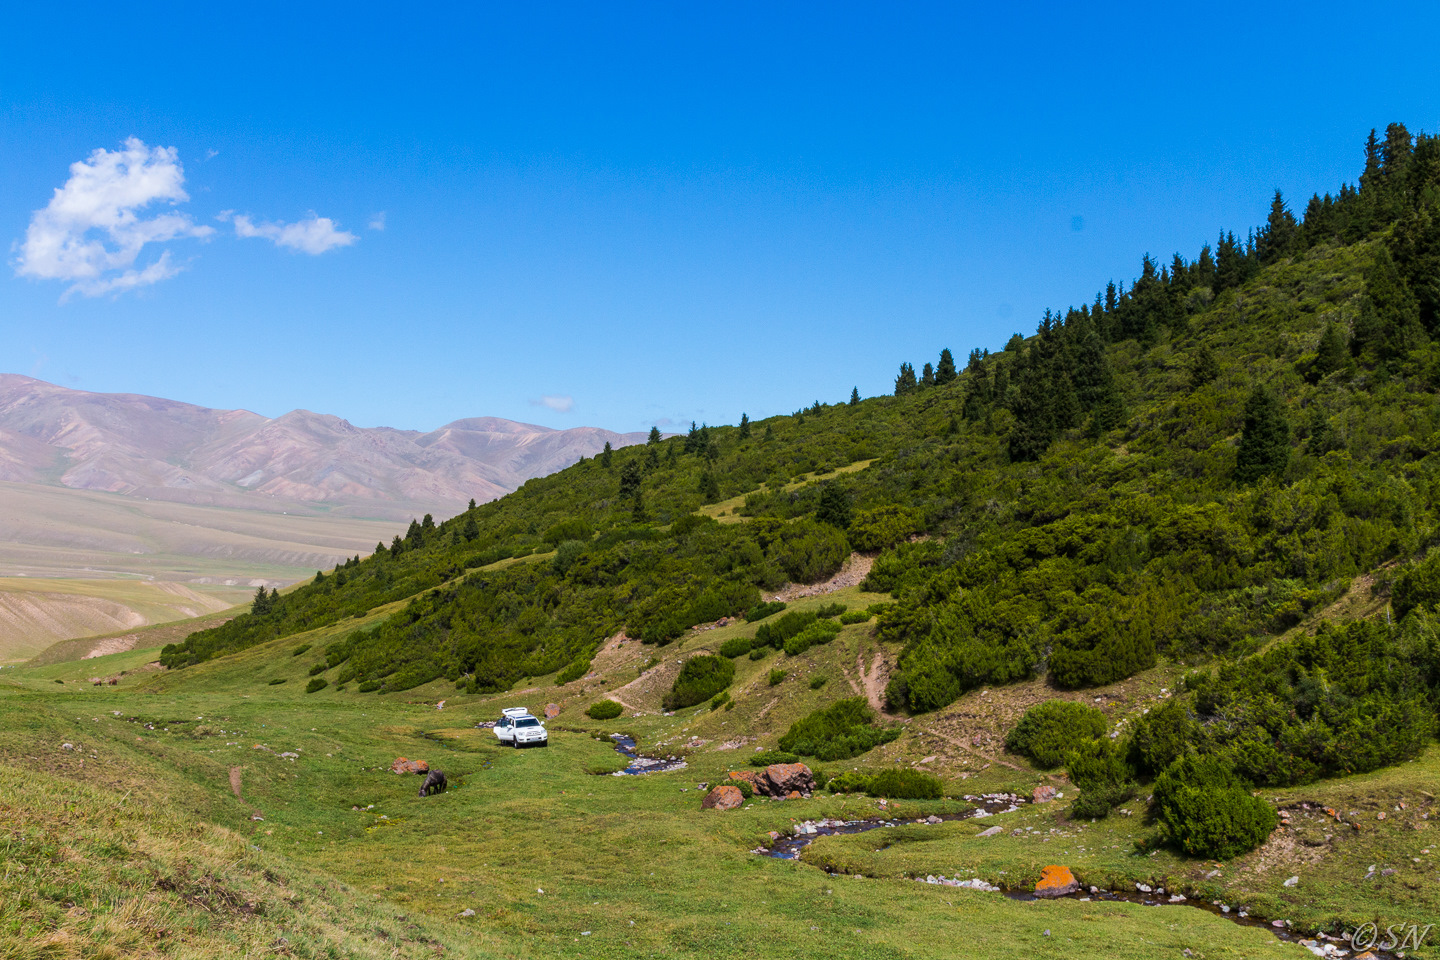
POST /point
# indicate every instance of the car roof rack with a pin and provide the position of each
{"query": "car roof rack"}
(515, 712)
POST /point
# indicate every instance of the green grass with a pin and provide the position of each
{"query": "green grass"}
(606, 850)
(631, 860)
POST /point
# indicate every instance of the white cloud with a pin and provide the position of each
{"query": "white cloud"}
(313, 235)
(560, 404)
(91, 234)
(377, 222)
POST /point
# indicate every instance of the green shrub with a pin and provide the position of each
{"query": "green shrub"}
(319, 683)
(1160, 738)
(300, 649)
(318, 669)
(775, 634)
(369, 686)
(1417, 586)
(758, 653)
(830, 610)
(882, 527)
(901, 784)
(817, 682)
(1097, 768)
(746, 790)
(571, 528)
(719, 700)
(1206, 811)
(735, 647)
(819, 632)
(1051, 729)
(838, 732)
(604, 710)
(276, 681)
(851, 781)
(766, 757)
(700, 679)
(777, 675)
(576, 670)
(855, 616)
(822, 779)
(762, 610)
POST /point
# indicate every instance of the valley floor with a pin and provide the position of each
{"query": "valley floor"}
(153, 849)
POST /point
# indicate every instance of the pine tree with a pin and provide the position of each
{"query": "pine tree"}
(905, 383)
(471, 530)
(834, 506)
(380, 550)
(1322, 436)
(1264, 438)
(945, 369)
(1277, 240)
(927, 376)
(1229, 269)
(744, 426)
(1203, 367)
(709, 487)
(261, 605)
(652, 457)
(692, 439)
(854, 396)
(630, 479)
(607, 456)
(1389, 323)
(654, 438)
(472, 503)
(1333, 352)
(397, 546)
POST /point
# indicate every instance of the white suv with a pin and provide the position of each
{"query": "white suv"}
(519, 729)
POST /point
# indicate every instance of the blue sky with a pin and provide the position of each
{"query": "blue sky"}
(627, 214)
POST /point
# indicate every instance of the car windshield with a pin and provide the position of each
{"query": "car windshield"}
(527, 722)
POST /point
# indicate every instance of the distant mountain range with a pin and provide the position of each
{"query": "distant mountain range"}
(147, 447)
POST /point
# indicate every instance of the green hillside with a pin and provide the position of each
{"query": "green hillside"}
(1197, 511)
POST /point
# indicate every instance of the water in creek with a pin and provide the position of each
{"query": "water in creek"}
(625, 746)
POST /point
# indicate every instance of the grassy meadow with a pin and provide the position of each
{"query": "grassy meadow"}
(151, 849)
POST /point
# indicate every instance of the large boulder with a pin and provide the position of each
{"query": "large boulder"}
(750, 777)
(552, 710)
(1056, 881)
(782, 779)
(723, 797)
(401, 765)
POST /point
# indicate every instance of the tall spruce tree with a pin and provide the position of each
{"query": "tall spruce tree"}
(1277, 239)
(744, 426)
(654, 437)
(1264, 438)
(854, 396)
(834, 506)
(1389, 323)
(607, 456)
(927, 376)
(905, 383)
(1333, 352)
(945, 369)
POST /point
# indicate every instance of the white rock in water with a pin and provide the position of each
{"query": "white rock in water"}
(1143, 887)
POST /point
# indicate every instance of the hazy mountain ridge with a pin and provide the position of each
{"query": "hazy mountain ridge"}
(164, 449)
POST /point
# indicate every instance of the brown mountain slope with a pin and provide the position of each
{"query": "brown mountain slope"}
(161, 449)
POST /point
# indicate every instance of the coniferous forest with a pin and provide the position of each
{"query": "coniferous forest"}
(1184, 467)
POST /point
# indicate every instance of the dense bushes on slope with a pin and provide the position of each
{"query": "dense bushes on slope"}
(1052, 729)
(1077, 491)
(840, 731)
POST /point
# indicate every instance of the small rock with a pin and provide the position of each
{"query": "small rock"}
(1380, 815)
(552, 710)
(1293, 881)
(401, 765)
(1043, 794)
(1143, 887)
(1056, 881)
(467, 912)
(991, 832)
(932, 819)
(723, 797)
(67, 746)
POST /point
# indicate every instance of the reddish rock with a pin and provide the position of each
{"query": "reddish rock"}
(1043, 794)
(401, 765)
(749, 776)
(723, 797)
(794, 795)
(782, 778)
(552, 710)
(1056, 881)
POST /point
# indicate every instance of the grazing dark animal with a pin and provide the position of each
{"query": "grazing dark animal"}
(434, 783)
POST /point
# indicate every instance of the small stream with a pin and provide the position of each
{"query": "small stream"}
(790, 846)
(625, 746)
